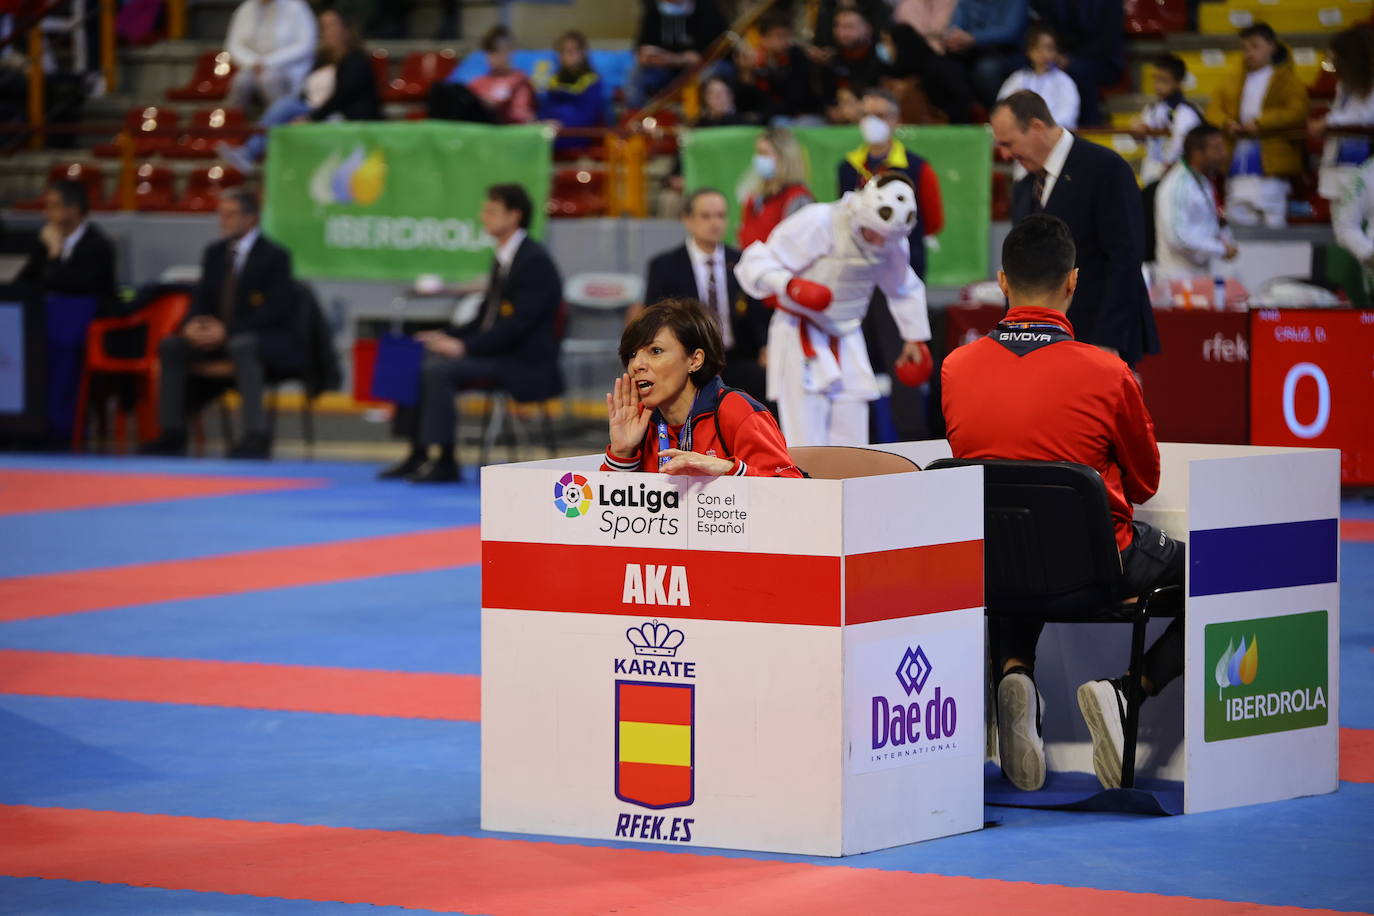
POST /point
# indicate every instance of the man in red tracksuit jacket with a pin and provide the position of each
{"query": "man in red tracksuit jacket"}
(1029, 391)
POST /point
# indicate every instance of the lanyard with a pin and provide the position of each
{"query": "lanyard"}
(684, 439)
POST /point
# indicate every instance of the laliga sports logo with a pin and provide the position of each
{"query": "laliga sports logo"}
(572, 496)
(655, 639)
(357, 179)
(1238, 665)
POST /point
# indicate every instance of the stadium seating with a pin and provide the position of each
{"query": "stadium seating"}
(1155, 17)
(211, 126)
(1225, 18)
(381, 67)
(141, 124)
(577, 192)
(209, 82)
(419, 71)
(92, 176)
(154, 187)
(203, 188)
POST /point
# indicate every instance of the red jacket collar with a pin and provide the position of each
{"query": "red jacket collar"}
(1030, 315)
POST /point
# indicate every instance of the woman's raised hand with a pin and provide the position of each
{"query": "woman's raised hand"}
(628, 418)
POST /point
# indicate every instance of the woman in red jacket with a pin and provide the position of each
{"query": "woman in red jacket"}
(671, 413)
(779, 176)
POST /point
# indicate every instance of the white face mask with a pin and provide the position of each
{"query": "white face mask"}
(765, 166)
(875, 130)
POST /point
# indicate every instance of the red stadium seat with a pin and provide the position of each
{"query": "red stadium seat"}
(1155, 17)
(141, 123)
(209, 82)
(576, 193)
(381, 68)
(212, 126)
(154, 187)
(204, 186)
(419, 71)
(90, 175)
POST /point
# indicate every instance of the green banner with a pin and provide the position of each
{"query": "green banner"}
(720, 157)
(379, 201)
(1265, 675)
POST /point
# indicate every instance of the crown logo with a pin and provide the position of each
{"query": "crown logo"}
(654, 638)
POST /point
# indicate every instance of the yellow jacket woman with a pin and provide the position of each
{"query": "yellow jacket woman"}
(1284, 104)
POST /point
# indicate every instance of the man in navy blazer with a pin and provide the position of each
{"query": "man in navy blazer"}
(511, 343)
(1093, 190)
(685, 272)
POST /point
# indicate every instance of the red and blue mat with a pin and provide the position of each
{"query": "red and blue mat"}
(254, 689)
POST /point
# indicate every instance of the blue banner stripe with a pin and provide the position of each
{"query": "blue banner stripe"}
(1257, 557)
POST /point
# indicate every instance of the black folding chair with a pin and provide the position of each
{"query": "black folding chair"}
(1049, 553)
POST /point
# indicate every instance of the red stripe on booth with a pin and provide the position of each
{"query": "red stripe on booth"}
(52, 594)
(750, 587)
(296, 688)
(916, 580)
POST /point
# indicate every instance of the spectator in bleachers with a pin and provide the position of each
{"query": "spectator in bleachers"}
(673, 37)
(1265, 96)
(1190, 234)
(882, 152)
(718, 105)
(574, 96)
(776, 187)
(824, 39)
(1352, 54)
(245, 312)
(342, 88)
(703, 268)
(1044, 78)
(71, 265)
(1092, 49)
(985, 36)
(505, 91)
(854, 65)
(272, 43)
(782, 73)
(918, 36)
(1170, 111)
(512, 342)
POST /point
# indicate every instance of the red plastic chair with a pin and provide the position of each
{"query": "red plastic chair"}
(381, 68)
(211, 126)
(92, 176)
(141, 123)
(209, 82)
(204, 187)
(161, 317)
(154, 187)
(419, 71)
(1155, 17)
(577, 193)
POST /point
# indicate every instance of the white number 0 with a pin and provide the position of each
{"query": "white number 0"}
(1290, 386)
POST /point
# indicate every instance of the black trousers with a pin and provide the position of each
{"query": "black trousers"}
(435, 422)
(250, 378)
(1153, 560)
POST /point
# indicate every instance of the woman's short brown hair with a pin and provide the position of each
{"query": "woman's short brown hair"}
(689, 322)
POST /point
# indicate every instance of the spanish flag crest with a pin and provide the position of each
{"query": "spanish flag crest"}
(655, 748)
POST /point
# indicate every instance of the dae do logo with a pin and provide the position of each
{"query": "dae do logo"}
(917, 722)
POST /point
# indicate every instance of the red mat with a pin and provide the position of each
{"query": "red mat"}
(53, 491)
(296, 688)
(511, 877)
(1357, 529)
(1357, 755)
(48, 595)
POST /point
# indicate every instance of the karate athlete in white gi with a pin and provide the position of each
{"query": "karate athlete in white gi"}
(818, 269)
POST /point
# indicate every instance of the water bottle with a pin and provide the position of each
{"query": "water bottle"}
(1219, 292)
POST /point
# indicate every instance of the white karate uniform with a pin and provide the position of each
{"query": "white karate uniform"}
(1162, 152)
(1343, 156)
(1352, 211)
(822, 399)
(1188, 230)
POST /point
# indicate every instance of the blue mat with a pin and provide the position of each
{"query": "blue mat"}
(1082, 792)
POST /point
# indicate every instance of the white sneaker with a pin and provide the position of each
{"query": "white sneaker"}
(1104, 710)
(1020, 744)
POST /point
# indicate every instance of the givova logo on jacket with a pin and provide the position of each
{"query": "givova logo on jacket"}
(1265, 675)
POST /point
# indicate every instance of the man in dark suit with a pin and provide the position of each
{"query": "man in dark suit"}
(513, 341)
(703, 268)
(1093, 190)
(72, 267)
(244, 311)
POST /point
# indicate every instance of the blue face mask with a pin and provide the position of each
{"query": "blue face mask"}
(676, 9)
(765, 167)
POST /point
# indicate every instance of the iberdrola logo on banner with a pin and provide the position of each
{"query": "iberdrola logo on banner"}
(357, 178)
(1265, 675)
(392, 201)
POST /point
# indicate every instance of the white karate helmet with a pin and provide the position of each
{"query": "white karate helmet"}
(886, 205)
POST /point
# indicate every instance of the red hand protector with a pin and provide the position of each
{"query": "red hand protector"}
(913, 375)
(809, 295)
